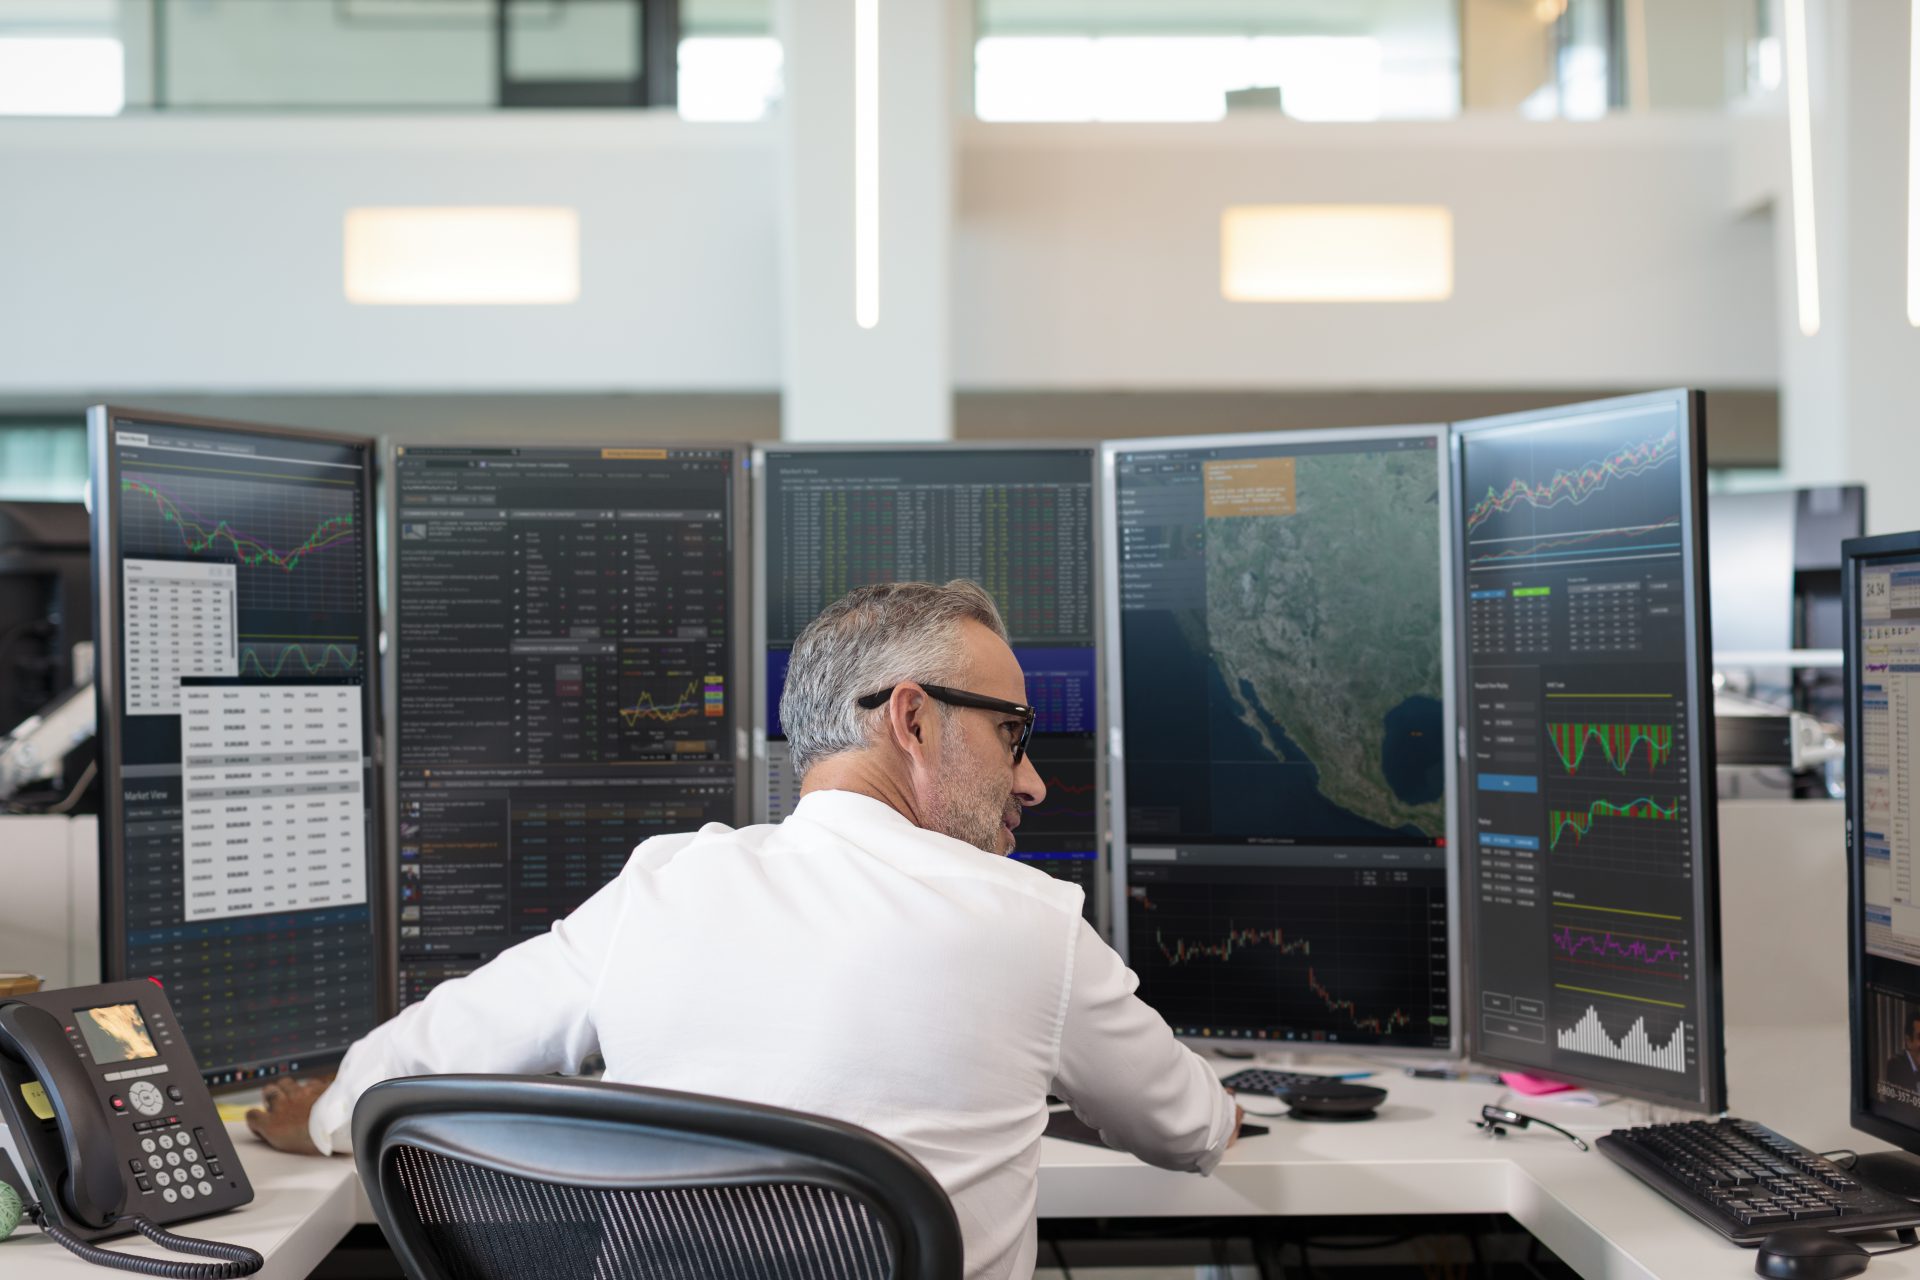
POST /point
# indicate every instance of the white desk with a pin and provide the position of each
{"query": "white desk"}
(1421, 1156)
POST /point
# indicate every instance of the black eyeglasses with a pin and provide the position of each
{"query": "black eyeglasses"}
(961, 698)
(1497, 1120)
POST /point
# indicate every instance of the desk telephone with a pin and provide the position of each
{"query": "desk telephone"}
(115, 1128)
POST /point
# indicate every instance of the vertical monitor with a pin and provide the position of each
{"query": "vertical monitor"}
(1018, 521)
(234, 590)
(565, 643)
(1881, 585)
(1588, 747)
(1279, 647)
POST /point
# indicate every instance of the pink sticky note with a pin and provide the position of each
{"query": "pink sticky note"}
(1532, 1086)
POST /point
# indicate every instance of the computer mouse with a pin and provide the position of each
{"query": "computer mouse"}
(1331, 1100)
(1809, 1253)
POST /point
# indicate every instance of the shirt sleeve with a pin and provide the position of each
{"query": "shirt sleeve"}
(526, 1011)
(1126, 1075)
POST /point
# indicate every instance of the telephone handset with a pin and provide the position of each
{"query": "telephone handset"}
(114, 1127)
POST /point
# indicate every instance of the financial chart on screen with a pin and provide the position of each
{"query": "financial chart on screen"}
(239, 735)
(1582, 711)
(1020, 522)
(565, 652)
(1282, 660)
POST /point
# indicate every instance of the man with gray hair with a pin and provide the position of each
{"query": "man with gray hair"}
(865, 959)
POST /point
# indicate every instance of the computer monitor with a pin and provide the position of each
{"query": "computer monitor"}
(1586, 705)
(45, 609)
(1279, 650)
(1019, 520)
(567, 679)
(234, 601)
(1776, 586)
(1880, 585)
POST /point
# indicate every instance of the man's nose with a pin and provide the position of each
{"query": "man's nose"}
(1027, 784)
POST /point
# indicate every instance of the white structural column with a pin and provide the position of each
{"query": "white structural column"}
(866, 207)
(1850, 394)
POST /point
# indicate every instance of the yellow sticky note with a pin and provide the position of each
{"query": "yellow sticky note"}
(36, 1100)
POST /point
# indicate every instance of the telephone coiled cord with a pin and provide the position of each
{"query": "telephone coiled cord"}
(237, 1260)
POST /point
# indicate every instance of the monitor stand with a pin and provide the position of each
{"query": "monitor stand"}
(1894, 1172)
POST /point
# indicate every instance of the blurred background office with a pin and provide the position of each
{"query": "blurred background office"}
(1568, 197)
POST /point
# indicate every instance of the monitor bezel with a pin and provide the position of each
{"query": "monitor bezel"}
(103, 491)
(1712, 1096)
(757, 485)
(1855, 553)
(738, 562)
(1110, 453)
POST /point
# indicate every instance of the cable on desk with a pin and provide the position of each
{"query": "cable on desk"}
(235, 1260)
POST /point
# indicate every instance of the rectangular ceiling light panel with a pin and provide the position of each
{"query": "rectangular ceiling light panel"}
(1336, 253)
(462, 256)
(62, 76)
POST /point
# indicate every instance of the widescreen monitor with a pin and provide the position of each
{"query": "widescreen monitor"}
(1279, 655)
(1590, 853)
(1017, 520)
(234, 607)
(566, 647)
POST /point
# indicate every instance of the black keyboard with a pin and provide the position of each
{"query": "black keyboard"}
(1260, 1080)
(1746, 1181)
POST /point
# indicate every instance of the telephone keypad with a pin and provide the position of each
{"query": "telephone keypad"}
(189, 1154)
(155, 1162)
(169, 1194)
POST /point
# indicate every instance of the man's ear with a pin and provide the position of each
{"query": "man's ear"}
(910, 720)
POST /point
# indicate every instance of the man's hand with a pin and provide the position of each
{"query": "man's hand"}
(1239, 1118)
(283, 1123)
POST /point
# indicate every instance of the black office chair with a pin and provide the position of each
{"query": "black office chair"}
(502, 1177)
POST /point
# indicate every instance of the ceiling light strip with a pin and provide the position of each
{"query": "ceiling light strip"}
(1800, 153)
(1913, 168)
(866, 163)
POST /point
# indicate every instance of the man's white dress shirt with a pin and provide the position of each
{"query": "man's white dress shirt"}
(845, 963)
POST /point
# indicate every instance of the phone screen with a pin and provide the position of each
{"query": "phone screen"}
(115, 1033)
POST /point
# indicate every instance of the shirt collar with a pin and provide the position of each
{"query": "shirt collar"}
(840, 809)
(857, 818)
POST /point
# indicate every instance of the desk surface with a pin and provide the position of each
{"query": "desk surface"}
(1421, 1156)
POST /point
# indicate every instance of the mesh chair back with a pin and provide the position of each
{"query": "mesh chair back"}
(494, 1178)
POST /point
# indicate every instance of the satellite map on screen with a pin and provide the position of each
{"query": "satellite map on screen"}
(1323, 622)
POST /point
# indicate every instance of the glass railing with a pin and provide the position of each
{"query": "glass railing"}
(1033, 60)
(117, 57)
